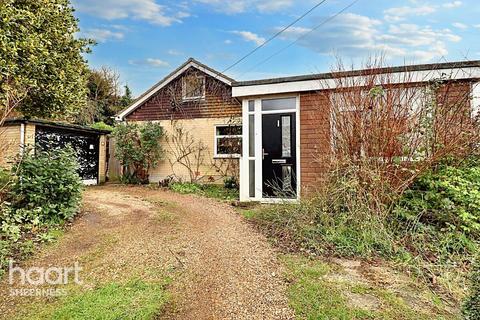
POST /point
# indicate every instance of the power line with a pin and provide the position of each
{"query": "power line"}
(274, 36)
(302, 36)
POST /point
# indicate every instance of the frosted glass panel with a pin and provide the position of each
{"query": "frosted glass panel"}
(251, 136)
(251, 105)
(279, 104)
(251, 185)
(286, 137)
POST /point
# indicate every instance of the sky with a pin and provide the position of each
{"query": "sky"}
(144, 40)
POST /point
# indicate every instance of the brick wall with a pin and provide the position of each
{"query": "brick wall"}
(202, 130)
(9, 144)
(315, 127)
(167, 103)
(315, 138)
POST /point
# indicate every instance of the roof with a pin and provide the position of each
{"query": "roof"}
(353, 73)
(60, 125)
(172, 76)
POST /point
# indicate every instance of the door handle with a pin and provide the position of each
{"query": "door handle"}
(264, 154)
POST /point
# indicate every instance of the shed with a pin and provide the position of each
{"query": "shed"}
(90, 144)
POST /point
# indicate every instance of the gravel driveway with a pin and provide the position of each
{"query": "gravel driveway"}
(221, 267)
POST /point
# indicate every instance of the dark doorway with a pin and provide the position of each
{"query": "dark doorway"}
(279, 155)
(85, 145)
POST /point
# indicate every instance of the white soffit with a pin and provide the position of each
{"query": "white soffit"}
(322, 84)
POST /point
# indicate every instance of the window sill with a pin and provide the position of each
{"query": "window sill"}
(226, 156)
(193, 99)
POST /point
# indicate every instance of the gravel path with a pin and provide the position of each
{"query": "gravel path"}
(222, 268)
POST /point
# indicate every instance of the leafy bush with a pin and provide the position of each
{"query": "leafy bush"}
(447, 198)
(48, 189)
(46, 192)
(101, 126)
(138, 148)
(5, 181)
(471, 308)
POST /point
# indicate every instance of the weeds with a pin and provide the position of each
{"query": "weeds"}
(357, 215)
(206, 190)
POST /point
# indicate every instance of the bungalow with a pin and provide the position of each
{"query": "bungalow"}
(274, 129)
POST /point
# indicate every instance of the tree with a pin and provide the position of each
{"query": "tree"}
(126, 99)
(42, 71)
(103, 97)
(138, 148)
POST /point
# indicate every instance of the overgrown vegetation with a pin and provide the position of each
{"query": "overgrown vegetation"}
(471, 308)
(327, 290)
(45, 192)
(138, 148)
(411, 230)
(207, 190)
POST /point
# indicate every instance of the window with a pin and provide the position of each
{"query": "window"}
(193, 87)
(228, 141)
(279, 104)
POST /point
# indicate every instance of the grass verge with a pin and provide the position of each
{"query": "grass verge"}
(135, 299)
(326, 290)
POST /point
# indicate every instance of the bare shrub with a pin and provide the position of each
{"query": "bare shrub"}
(186, 151)
(397, 125)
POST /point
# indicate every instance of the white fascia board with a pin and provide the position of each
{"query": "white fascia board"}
(322, 84)
(138, 103)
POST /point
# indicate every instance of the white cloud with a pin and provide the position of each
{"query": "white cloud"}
(148, 10)
(151, 62)
(250, 36)
(102, 35)
(273, 5)
(460, 25)
(174, 52)
(240, 6)
(228, 41)
(353, 35)
(401, 13)
(454, 4)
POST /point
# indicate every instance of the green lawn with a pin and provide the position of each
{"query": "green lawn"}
(135, 299)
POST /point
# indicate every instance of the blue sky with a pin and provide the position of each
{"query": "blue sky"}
(144, 40)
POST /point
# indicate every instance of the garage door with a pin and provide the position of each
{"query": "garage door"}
(86, 146)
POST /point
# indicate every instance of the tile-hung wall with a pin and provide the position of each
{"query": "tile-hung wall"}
(251, 163)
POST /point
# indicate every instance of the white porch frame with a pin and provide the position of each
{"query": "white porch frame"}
(258, 135)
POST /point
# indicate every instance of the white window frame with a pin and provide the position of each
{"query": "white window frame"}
(184, 88)
(475, 90)
(216, 137)
(245, 159)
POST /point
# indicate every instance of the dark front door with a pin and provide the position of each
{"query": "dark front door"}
(279, 155)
